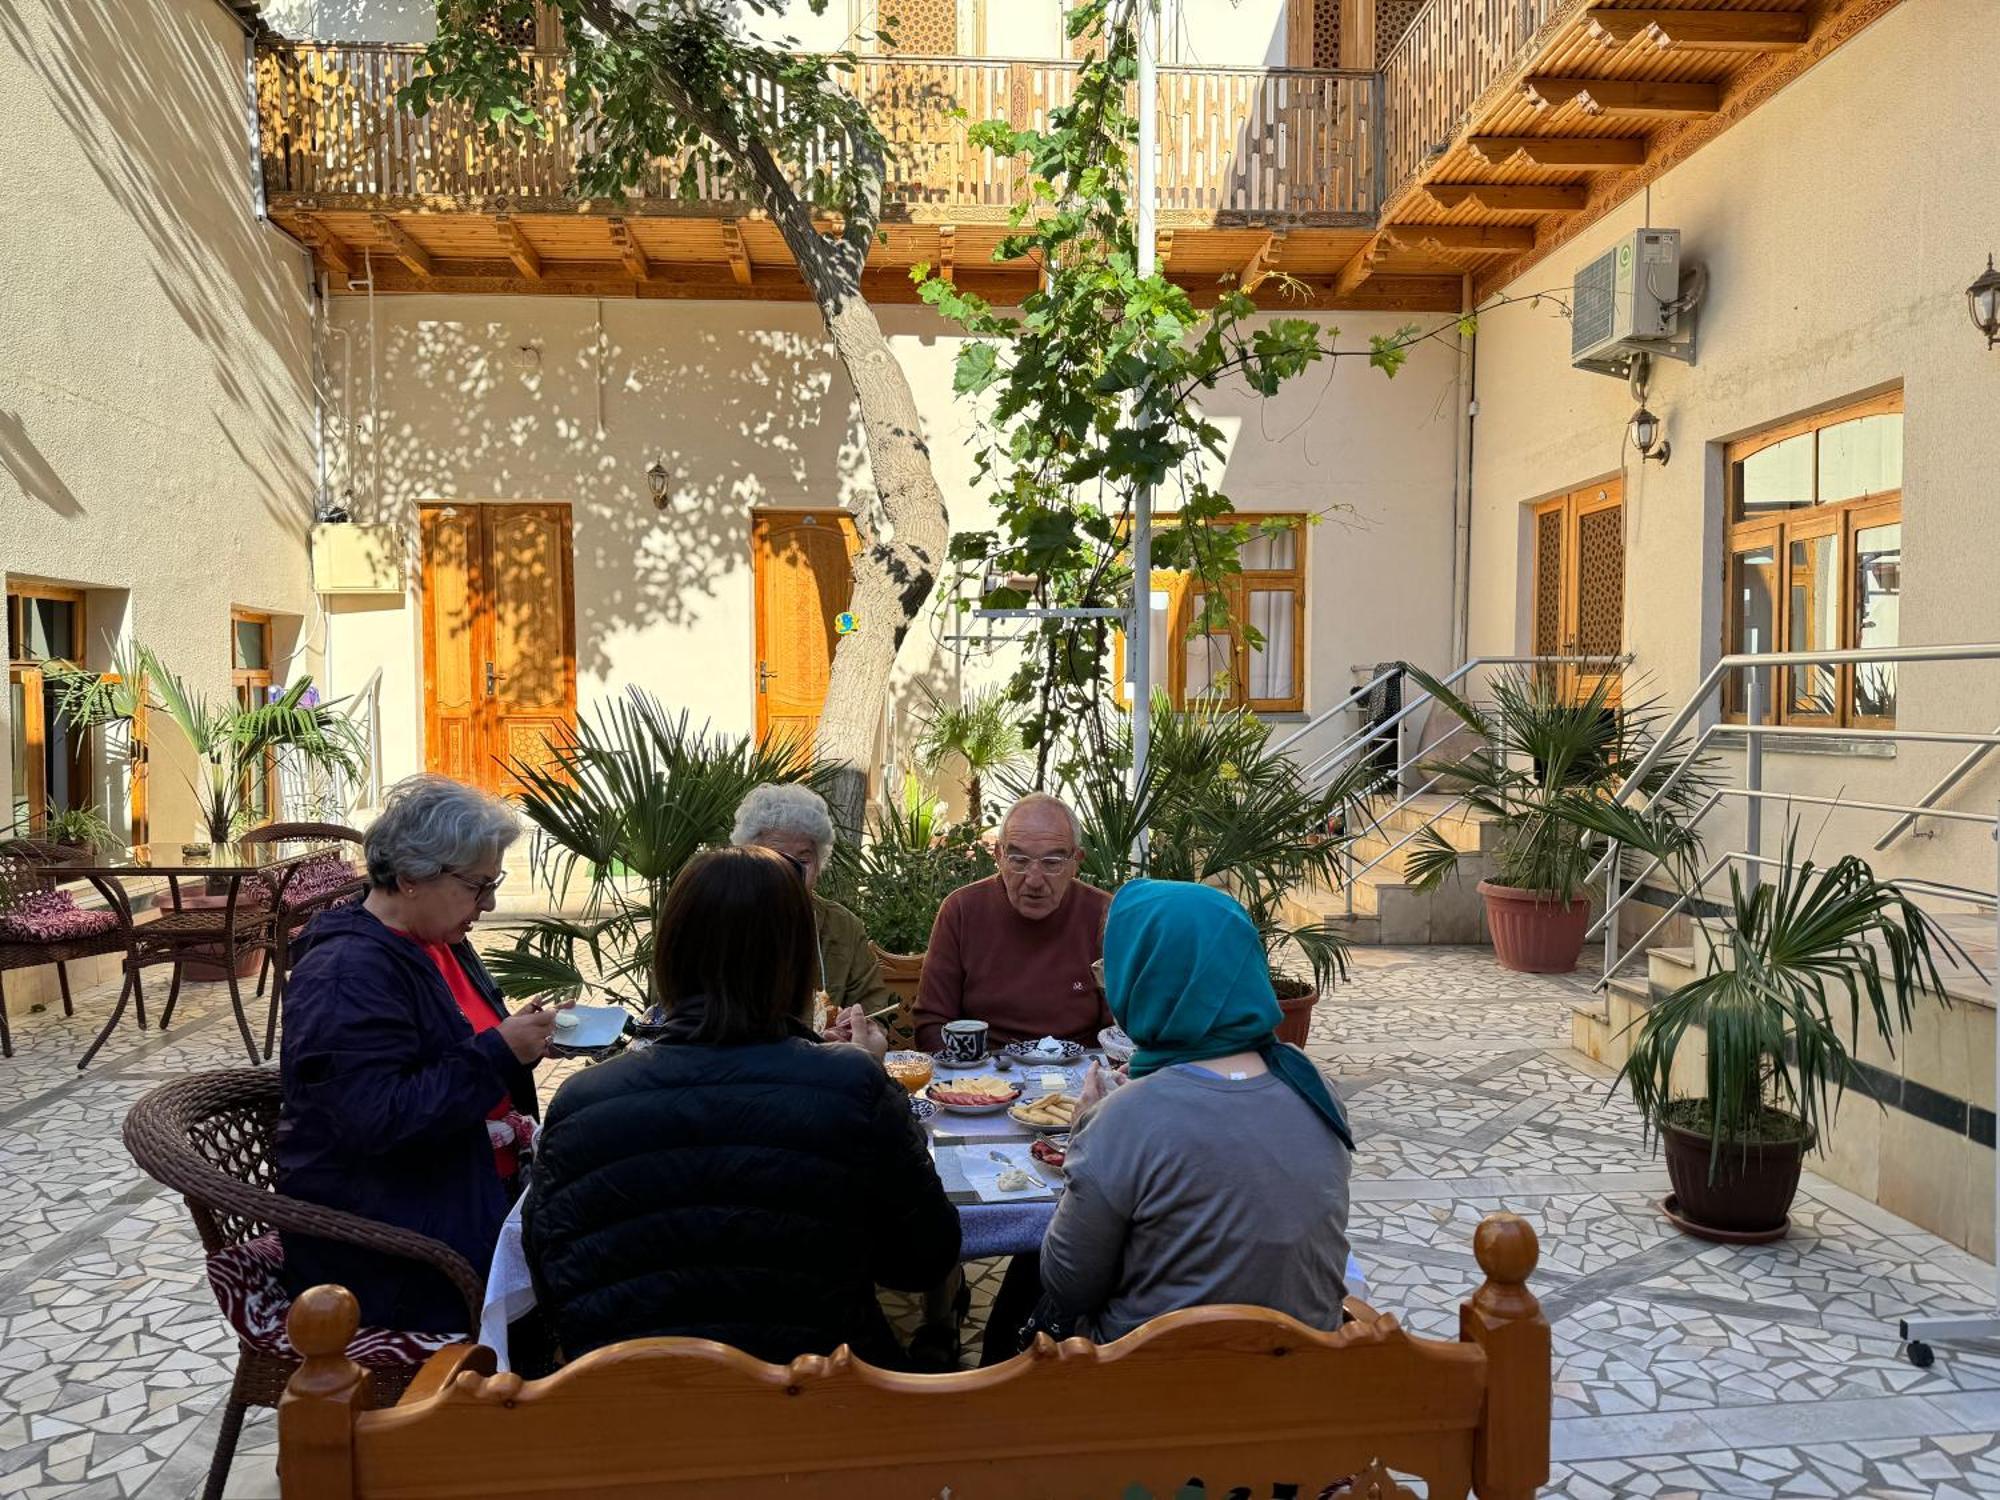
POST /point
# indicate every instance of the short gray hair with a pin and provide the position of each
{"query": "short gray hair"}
(1045, 799)
(784, 807)
(430, 824)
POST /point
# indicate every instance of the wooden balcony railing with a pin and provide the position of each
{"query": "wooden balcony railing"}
(1451, 54)
(1237, 144)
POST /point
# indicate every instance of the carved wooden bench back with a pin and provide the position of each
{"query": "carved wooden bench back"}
(1232, 1395)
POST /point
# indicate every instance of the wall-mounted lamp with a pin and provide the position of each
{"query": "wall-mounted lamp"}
(657, 479)
(1982, 300)
(1646, 434)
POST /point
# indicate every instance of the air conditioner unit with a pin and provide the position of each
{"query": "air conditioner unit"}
(1625, 303)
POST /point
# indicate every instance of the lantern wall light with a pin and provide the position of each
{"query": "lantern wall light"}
(1982, 300)
(657, 479)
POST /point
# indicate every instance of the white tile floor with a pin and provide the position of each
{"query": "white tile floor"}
(1682, 1368)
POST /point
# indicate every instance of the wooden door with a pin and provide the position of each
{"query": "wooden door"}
(499, 638)
(802, 564)
(1579, 586)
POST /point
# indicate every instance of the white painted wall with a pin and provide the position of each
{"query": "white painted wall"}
(156, 420)
(744, 404)
(1837, 253)
(353, 20)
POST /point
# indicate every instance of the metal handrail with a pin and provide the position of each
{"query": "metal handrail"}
(1945, 783)
(1342, 706)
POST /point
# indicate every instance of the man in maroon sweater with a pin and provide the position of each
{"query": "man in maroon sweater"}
(1015, 950)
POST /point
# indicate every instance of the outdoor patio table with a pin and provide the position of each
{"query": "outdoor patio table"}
(180, 933)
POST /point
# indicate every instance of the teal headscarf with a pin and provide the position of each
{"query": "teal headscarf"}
(1186, 976)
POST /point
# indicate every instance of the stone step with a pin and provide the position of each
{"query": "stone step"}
(1460, 826)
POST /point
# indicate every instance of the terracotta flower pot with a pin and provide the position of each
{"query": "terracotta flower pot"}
(211, 968)
(1534, 932)
(1753, 1188)
(1297, 1002)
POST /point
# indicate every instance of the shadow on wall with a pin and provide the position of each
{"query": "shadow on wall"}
(159, 112)
(739, 417)
(38, 481)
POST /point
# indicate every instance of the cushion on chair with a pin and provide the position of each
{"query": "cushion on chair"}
(312, 879)
(245, 1281)
(52, 917)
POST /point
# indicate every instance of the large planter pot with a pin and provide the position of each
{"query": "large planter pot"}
(210, 967)
(1534, 932)
(901, 973)
(1296, 1000)
(1751, 1196)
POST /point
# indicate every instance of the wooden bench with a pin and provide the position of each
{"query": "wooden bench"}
(1230, 1395)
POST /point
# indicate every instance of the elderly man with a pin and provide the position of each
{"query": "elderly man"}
(1015, 950)
(793, 821)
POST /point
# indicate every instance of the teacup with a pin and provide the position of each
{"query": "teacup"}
(964, 1041)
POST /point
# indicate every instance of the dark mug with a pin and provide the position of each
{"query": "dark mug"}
(965, 1041)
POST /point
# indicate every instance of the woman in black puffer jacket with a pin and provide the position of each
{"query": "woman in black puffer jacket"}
(740, 1180)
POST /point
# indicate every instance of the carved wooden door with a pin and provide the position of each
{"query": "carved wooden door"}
(499, 638)
(1579, 584)
(803, 568)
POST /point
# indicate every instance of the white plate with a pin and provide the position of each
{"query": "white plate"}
(974, 1109)
(1061, 1129)
(596, 1026)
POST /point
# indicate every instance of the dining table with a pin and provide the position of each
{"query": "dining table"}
(219, 928)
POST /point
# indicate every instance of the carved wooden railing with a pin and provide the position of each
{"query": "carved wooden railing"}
(1451, 54)
(1249, 143)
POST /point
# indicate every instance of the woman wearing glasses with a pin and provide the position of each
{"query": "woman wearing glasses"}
(408, 1087)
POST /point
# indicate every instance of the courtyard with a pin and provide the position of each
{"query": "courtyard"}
(1682, 1368)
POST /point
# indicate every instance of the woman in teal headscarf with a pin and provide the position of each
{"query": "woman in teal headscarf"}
(1220, 1173)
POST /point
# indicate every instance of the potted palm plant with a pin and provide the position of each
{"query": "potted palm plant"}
(982, 733)
(1220, 806)
(1538, 747)
(1792, 953)
(623, 802)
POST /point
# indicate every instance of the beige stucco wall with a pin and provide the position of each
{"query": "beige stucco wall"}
(1837, 251)
(156, 419)
(498, 399)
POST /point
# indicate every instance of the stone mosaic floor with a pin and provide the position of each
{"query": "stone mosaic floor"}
(1683, 1369)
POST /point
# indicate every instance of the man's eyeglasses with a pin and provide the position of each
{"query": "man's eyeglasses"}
(480, 888)
(1051, 865)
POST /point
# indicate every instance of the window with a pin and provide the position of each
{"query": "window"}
(1816, 561)
(51, 760)
(1222, 666)
(250, 662)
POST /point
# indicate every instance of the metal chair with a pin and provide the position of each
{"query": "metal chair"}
(210, 1138)
(23, 866)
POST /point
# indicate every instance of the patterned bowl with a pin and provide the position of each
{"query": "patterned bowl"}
(923, 1109)
(1031, 1052)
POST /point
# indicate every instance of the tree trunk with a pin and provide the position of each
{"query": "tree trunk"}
(895, 569)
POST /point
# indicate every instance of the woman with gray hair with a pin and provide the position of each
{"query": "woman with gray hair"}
(408, 1087)
(792, 820)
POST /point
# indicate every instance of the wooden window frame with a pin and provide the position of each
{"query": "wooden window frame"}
(29, 673)
(1779, 530)
(258, 679)
(1180, 615)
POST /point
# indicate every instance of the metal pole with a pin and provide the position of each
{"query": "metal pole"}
(1140, 651)
(1753, 765)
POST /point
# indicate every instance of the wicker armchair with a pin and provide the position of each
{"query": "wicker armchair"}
(210, 1139)
(21, 864)
(290, 915)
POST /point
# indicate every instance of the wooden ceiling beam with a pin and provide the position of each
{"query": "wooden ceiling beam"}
(947, 263)
(1626, 96)
(1358, 268)
(1483, 239)
(1703, 30)
(631, 254)
(1559, 150)
(406, 249)
(1263, 261)
(527, 260)
(733, 249)
(329, 247)
(1498, 198)
(1163, 249)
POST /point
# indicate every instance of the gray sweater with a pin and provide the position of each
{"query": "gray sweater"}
(1187, 1189)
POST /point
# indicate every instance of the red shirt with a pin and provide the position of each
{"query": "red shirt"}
(1025, 979)
(506, 1160)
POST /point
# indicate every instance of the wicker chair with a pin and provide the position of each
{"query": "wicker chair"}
(290, 915)
(210, 1138)
(22, 862)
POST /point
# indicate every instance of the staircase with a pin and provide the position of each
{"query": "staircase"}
(1387, 909)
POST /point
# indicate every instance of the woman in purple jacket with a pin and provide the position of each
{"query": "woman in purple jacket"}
(408, 1088)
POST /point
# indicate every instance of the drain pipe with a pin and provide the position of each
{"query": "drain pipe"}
(1461, 530)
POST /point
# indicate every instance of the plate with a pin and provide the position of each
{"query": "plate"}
(959, 1067)
(596, 1026)
(974, 1109)
(1030, 1052)
(1014, 1114)
(923, 1109)
(1117, 1046)
(1049, 1169)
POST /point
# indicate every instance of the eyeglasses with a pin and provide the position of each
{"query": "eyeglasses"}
(797, 864)
(1049, 864)
(480, 888)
